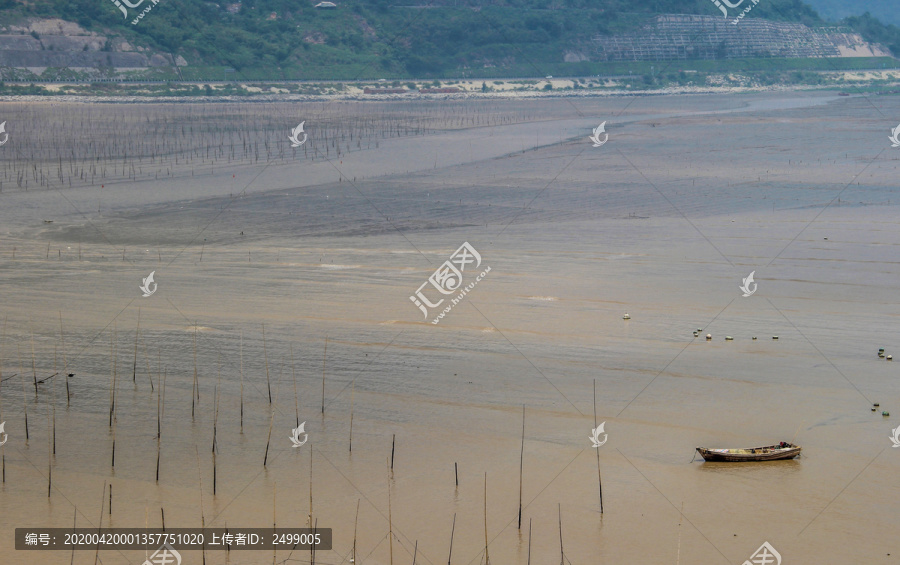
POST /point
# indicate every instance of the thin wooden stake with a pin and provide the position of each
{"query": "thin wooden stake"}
(529, 542)
(33, 367)
(162, 513)
(110, 499)
(195, 393)
(456, 472)
(62, 337)
(415, 552)
(266, 354)
(487, 559)
(521, 466)
(296, 401)
(452, 529)
(393, 440)
(242, 382)
(352, 391)
(136, 333)
(562, 555)
(390, 524)
(355, 522)
(324, 354)
(24, 396)
(599, 477)
(49, 455)
(271, 422)
(53, 398)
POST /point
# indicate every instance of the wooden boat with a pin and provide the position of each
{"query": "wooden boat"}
(782, 450)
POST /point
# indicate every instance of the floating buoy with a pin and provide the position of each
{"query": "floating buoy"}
(729, 338)
(876, 404)
(708, 337)
(696, 334)
(881, 355)
(885, 413)
(699, 330)
(774, 337)
(890, 357)
(754, 338)
(873, 409)
(626, 317)
(880, 350)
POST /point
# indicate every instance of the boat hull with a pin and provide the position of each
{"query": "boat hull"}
(766, 453)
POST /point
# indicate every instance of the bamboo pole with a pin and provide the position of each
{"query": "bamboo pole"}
(242, 382)
(529, 543)
(352, 391)
(355, 522)
(452, 530)
(53, 398)
(562, 555)
(62, 338)
(33, 367)
(599, 477)
(487, 559)
(136, 333)
(521, 466)
(393, 441)
(269, 438)
(294, 376)
(202, 514)
(49, 455)
(24, 396)
(390, 524)
(195, 393)
(266, 356)
(324, 354)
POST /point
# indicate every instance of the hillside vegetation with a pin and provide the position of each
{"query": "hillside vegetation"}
(366, 39)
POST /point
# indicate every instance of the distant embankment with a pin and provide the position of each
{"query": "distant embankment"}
(685, 37)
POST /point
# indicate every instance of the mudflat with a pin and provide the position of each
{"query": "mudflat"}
(322, 247)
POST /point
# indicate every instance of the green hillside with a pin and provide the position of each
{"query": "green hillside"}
(282, 39)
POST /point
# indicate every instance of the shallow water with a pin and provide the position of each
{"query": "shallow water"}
(689, 196)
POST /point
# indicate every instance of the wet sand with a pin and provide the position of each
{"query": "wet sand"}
(690, 195)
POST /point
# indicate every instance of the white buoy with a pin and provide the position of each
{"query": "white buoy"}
(754, 338)
(729, 338)
(708, 337)
(626, 317)
(890, 357)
